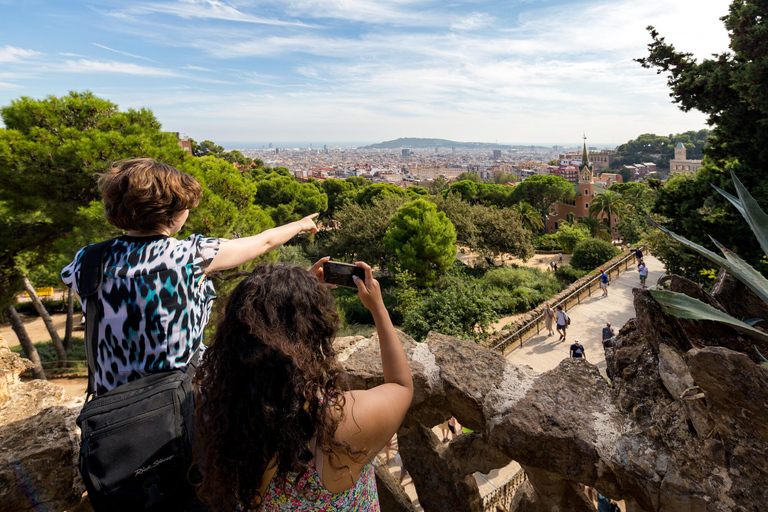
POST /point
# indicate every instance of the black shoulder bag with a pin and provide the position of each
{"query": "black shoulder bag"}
(136, 440)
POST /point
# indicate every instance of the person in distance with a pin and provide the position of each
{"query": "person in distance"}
(278, 428)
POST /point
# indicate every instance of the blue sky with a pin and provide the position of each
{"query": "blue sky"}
(364, 70)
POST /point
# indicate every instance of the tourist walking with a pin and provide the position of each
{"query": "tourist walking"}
(643, 270)
(452, 427)
(638, 255)
(562, 322)
(549, 319)
(577, 350)
(608, 332)
(604, 282)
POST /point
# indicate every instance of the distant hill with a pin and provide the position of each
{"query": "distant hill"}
(416, 143)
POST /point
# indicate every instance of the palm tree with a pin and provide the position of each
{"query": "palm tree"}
(596, 228)
(530, 216)
(609, 204)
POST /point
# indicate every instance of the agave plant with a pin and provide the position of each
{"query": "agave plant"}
(683, 306)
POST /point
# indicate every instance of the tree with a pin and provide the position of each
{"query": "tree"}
(467, 189)
(339, 193)
(460, 214)
(361, 231)
(501, 231)
(470, 176)
(51, 151)
(730, 89)
(529, 216)
(422, 239)
(591, 253)
(366, 195)
(287, 200)
(608, 205)
(438, 185)
(206, 148)
(500, 196)
(568, 236)
(595, 228)
(542, 191)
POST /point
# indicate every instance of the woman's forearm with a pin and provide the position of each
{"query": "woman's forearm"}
(393, 360)
(234, 253)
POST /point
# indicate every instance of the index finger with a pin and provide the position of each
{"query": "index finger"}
(314, 215)
(368, 271)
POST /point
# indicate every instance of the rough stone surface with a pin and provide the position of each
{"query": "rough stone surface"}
(392, 497)
(39, 444)
(677, 379)
(738, 300)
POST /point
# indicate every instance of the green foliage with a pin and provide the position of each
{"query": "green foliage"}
(339, 193)
(416, 192)
(361, 231)
(467, 189)
(658, 149)
(569, 235)
(367, 195)
(51, 305)
(501, 231)
(518, 289)
(608, 205)
(460, 214)
(438, 185)
(51, 152)
(48, 355)
(470, 176)
(422, 239)
(591, 253)
(729, 89)
(459, 308)
(287, 200)
(530, 217)
(546, 243)
(542, 192)
(500, 196)
(226, 208)
(568, 275)
(595, 228)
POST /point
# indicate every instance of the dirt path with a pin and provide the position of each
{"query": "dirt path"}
(540, 261)
(36, 328)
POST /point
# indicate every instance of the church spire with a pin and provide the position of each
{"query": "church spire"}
(585, 157)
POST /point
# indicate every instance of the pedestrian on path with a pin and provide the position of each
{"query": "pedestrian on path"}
(608, 333)
(549, 319)
(577, 350)
(604, 282)
(643, 270)
(638, 255)
(559, 257)
(562, 322)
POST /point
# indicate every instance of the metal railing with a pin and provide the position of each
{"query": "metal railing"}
(503, 495)
(527, 331)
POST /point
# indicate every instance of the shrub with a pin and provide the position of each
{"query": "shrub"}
(591, 253)
(52, 306)
(568, 275)
(518, 289)
(546, 243)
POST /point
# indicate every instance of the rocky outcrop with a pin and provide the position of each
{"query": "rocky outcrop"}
(39, 442)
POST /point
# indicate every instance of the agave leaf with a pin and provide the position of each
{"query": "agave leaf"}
(737, 267)
(683, 306)
(748, 207)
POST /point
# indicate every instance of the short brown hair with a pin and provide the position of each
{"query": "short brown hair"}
(143, 195)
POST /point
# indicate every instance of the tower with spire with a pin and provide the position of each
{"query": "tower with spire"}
(586, 175)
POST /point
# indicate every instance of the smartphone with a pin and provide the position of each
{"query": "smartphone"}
(341, 274)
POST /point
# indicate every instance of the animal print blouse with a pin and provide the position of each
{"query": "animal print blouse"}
(152, 307)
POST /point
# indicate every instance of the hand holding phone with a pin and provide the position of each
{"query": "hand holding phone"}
(341, 274)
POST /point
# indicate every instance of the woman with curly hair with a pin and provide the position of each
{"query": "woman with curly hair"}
(277, 427)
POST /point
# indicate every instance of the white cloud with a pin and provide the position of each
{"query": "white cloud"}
(123, 53)
(7, 85)
(474, 21)
(127, 68)
(206, 9)
(13, 54)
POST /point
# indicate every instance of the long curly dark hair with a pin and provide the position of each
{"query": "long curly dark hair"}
(267, 385)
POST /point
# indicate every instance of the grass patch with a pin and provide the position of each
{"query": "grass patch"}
(48, 356)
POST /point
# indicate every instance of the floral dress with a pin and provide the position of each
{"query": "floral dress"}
(305, 493)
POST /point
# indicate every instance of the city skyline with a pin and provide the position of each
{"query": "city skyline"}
(521, 72)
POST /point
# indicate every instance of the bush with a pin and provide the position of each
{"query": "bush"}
(518, 289)
(546, 243)
(591, 253)
(47, 353)
(568, 275)
(52, 306)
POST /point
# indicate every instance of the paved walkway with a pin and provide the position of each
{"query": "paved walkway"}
(543, 353)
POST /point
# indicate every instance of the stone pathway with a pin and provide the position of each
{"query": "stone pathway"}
(543, 353)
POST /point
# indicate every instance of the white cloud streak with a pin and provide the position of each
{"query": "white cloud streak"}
(13, 54)
(203, 9)
(121, 52)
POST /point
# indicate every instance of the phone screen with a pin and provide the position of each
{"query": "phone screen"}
(341, 274)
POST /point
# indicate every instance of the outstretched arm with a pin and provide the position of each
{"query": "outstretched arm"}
(234, 253)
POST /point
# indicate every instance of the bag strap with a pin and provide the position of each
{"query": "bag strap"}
(88, 284)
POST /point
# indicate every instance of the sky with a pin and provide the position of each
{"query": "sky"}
(512, 71)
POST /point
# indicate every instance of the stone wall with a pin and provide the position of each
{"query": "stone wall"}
(682, 426)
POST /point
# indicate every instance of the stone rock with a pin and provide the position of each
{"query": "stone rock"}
(677, 379)
(554, 493)
(680, 284)
(39, 444)
(738, 300)
(392, 497)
